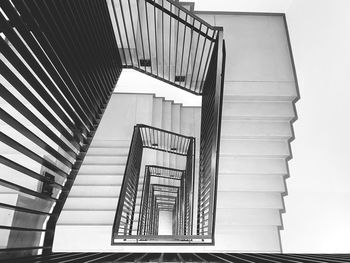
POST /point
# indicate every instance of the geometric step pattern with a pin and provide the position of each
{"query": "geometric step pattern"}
(260, 91)
(93, 199)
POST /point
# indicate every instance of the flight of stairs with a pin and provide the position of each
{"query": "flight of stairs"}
(86, 221)
(254, 150)
(258, 111)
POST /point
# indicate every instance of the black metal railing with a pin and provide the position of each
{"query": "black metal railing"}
(165, 40)
(166, 141)
(210, 139)
(60, 61)
(124, 227)
(58, 68)
(173, 178)
(126, 204)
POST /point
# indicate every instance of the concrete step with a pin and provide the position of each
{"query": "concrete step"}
(176, 117)
(102, 169)
(95, 203)
(95, 190)
(254, 148)
(166, 125)
(251, 183)
(268, 91)
(242, 165)
(108, 151)
(99, 179)
(105, 160)
(241, 238)
(175, 127)
(110, 144)
(249, 200)
(256, 129)
(248, 238)
(87, 217)
(248, 217)
(258, 110)
(157, 113)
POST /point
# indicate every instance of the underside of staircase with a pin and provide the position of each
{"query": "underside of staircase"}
(258, 110)
(91, 205)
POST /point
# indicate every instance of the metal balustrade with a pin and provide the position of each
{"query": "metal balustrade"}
(147, 137)
(210, 140)
(59, 67)
(60, 61)
(165, 40)
(174, 176)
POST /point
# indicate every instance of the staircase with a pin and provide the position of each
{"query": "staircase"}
(258, 112)
(255, 136)
(90, 208)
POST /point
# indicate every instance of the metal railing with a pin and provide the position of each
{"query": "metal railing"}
(127, 199)
(173, 176)
(210, 140)
(161, 140)
(58, 70)
(165, 40)
(60, 61)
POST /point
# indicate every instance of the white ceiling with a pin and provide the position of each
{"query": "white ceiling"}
(274, 6)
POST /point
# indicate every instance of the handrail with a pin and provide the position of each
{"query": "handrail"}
(166, 172)
(125, 213)
(163, 39)
(57, 76)
(162, 140)
(145, 136)
(210, 140)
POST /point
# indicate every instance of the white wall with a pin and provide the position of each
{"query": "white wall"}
(272, 6)
(132, 81)
(317, 215)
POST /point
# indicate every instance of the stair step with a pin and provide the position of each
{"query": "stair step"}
(248, 217)
(105, 160)
(233, 129)
(264, 110)
(175, 127)
(87, 217)
(256, 238)
(269, 91)
(101, 169)
(110, 144)
(157, 112)
(99, 179)
(108, 151)
(166, 125)
(95, 190)
(243, 165)
(95, 203)
(248, 238)
(251, 182)
(249, 200)
(254, 148)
